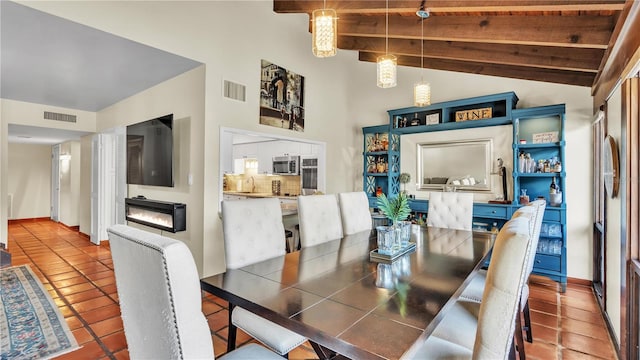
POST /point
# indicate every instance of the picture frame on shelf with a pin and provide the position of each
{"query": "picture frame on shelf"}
(545, 137)
(432, 119)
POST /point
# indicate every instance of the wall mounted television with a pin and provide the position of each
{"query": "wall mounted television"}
(150, 152)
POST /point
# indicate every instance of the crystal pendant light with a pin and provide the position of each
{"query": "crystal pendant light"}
(324, 32)
(387, 63)
(422, 90)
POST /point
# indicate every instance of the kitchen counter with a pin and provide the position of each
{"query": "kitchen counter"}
(288, 204)
(260, 195)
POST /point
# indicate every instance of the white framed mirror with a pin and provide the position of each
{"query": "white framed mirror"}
(455, 165)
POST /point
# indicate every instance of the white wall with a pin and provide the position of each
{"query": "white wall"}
(70, 174)
(341, 96)
(614, 219)
(84, 219)
(367, 109)
(29, 180)
(23, 113)
(182, 96)
(216, 34)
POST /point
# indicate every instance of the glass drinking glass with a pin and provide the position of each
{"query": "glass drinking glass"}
(386, 240)
(405, 227)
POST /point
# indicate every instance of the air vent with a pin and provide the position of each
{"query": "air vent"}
(48, 115)
(234, 91)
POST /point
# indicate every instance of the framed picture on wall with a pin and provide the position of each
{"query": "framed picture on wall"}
(281, 97)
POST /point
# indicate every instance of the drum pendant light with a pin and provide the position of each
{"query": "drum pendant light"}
(422, 90)
(324, 32)
(388, 63)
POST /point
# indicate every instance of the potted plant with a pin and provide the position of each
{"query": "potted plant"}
(404, 178)
(395, 209)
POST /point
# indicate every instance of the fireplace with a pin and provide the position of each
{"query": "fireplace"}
(161, 215)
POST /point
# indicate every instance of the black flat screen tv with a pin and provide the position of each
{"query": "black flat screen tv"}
(150, 152)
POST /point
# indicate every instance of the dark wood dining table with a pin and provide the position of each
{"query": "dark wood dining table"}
(352, 305)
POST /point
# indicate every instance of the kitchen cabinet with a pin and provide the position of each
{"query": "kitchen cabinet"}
(245, 151)
(265, 151)
(229, 197)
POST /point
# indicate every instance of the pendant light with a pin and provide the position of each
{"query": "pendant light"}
(422, 90)
(387, 64)
(324, 32)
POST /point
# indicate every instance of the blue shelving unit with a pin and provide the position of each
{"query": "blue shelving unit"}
(529, 125)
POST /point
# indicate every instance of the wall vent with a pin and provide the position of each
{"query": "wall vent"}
(48, 115)
(234, 91)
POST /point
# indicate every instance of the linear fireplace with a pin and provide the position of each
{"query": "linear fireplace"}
(161, 215)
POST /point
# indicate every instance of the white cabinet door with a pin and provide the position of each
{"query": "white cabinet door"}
(305, 149)
(245, 151)
(265, 164)
(265, 157)
(227, 197)
(292, 148)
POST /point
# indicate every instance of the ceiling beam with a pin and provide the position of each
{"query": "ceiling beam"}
(576, 59)
(450, 7)
(625, 43)
(508, 71)
(567, 31)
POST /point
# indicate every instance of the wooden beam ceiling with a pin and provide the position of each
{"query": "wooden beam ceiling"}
(559, 41)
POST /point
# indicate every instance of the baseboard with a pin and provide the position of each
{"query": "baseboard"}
(72, 228)
(19, 221)
(576, 281)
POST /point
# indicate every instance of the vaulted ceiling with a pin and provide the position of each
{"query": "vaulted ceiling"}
(558, 41)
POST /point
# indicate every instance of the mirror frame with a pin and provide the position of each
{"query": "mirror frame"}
(488, 151)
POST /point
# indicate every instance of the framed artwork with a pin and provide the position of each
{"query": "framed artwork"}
(281, 97)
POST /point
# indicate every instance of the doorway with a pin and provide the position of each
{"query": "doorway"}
(55, 182)
(108, 182)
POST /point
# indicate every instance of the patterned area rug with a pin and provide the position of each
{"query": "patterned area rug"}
(31, 326)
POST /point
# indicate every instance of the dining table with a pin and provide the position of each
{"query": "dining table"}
(352, 302)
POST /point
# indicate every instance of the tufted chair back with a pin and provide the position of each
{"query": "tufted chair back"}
(354, 210)
(160, 301)
(319, 217)
(505, 278)
(536, 208)
(253, 231)
(453, 210)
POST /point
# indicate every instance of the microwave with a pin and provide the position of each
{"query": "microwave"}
(286, 165)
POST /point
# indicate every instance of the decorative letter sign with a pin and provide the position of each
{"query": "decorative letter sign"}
(474, 114)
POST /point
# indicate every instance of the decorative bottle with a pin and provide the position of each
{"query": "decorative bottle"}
(553, 188)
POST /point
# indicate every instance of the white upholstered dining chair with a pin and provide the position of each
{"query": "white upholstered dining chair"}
(486, 330)
(253, 232)
(354, 211)
(534, 211)
(319, 218)
(452, 210)
(160, 299)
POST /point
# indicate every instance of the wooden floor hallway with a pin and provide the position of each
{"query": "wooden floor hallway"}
(79, 276)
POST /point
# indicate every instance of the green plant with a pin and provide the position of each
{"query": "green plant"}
(404, 178)
(395, 209)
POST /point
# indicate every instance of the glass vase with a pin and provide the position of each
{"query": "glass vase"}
(386, 239)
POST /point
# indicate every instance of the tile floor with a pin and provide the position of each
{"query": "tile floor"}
(79, 276)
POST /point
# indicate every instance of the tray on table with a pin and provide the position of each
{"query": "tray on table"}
(374, 255)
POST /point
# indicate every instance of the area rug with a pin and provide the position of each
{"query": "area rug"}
(31, 326)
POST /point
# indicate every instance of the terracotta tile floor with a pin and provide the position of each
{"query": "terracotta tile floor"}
(79, 276)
